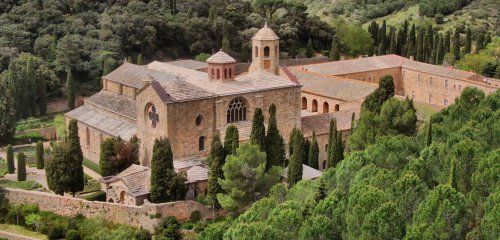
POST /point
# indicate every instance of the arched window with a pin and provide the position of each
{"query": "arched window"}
(225, 73)
(87, 136)
(199, 120)
(337, 108)
(326, 107)
(201, 143)
(212, 73)
(218, 73)
(237, 111)
(304, 103)
(324, 164)
(266, 51)
(315, 106)
(152, 115)
(230, 73)
(256, 51)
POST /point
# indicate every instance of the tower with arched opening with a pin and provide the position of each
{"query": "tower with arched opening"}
(265, 51)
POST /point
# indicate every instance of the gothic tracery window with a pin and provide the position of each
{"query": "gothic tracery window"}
(153, 116)
(237, 111)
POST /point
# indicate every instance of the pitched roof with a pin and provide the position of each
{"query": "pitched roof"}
(103, 121)
(320, 123)
(437, 70)
(332, 86)
(136, 178)
(196, 174)
(308, 173)
(189, 63)
(114, 102)
(221, 57)
(186, 163)
(265, 33)
(356, 65)
(253, 82)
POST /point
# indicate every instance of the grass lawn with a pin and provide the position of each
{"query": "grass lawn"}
(21, 231)
(92, 165)
(3, 167)
(91, 184)
(26, 185)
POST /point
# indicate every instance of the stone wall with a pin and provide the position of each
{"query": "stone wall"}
(138, 216)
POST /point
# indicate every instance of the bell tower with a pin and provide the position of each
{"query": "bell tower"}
(265, 51)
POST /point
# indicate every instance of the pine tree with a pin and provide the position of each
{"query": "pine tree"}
(309, 49)
(453, 174)
(456, 45)
(314, 153)
(295, 166)
(216, 161)
(429, 134)
(70, 89)
(40, 162)
(258, 133)
(275, 154)
(468, 41)
(140, 60)
(231, 140)
(21, 167)
(332, 140)
(76, 182)
(335, 49)
(10, 160)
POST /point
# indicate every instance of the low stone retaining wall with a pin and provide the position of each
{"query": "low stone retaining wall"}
(14, 236)
(147, 216)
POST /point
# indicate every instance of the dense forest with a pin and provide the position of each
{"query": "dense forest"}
(438, 183)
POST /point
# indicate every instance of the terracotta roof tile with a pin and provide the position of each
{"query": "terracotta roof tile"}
(221, 57)
(189, 63)
(308, 173)
(113, 102)
(265, 33)
(196, 174)
(320, 123)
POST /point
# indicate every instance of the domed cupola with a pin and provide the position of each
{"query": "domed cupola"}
(221, 66)
(265, 51)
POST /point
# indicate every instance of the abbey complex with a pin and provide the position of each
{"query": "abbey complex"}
(189, 101)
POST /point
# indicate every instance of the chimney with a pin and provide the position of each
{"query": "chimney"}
(411, 58)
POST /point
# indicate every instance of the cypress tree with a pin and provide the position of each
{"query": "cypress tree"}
(216, 161)
(314, 153)
(420, 48)
(410, 47)
(332, 142)
(106, 157)
(429, 38)
(70, 89)
(335, 49)
(393, 47)
(258, 133)
(382, 39)
(42, 96)
(140, 60)
(434, 49)
(162, 171)
(309, 49)
(10, 160)
(446, 43)
(40, 162)
(402, 35)
(373, 30)
(129, 59)
(468, 41)
(32, 86)
(440, 52)
(21, 167)
(321, 192)
(306, 145)
(8, 118)
(339, 149)
(76, 183)
(226, 45)
(275, 153)
(429, 134)
(456, 45)
(231, 140)
(479, 42)
(295, 166)
(25, 94)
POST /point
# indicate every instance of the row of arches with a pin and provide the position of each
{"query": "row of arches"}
(267, 51)
(314, 108)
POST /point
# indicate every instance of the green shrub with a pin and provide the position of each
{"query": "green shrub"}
(73, 235)
(98, 196)
(56, 232)
(21, 167)
(26, 185)
(156, 215)
(143, 234)
(195, 216)
(40, 162)
(29, 137)
(200, 226)
(168, 229)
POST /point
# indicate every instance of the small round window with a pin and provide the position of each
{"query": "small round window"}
(199, 120)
